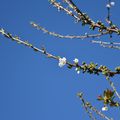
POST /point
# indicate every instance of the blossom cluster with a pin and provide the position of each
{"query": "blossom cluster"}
(62, 62)
(110, 4)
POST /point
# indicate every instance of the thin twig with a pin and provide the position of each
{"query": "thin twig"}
(114, 88)
(108, 6)
(86, 108)
(88, 105)
(106, 43)
(60, 7)
(113, 45)
(38, 27)
(81, 15)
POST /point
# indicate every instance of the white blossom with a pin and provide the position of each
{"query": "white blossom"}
(86, 33)
(112, 3)
(78, 71)
(105, 108)
(76, 60)
(62, 62)
(108, 6)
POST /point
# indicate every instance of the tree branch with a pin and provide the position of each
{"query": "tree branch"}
(85, 68)
(113, 45)
(84, 18)
(38, 27)
(88, 105)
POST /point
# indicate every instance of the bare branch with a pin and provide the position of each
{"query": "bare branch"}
(85, 19)
(113, 45)
(38, 27)
(114, 88)
(81, 15)
(60, 7)
(88, 105)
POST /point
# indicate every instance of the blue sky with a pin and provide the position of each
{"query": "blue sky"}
(33, 87)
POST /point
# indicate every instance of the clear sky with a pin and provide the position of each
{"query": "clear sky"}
(33, 87)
